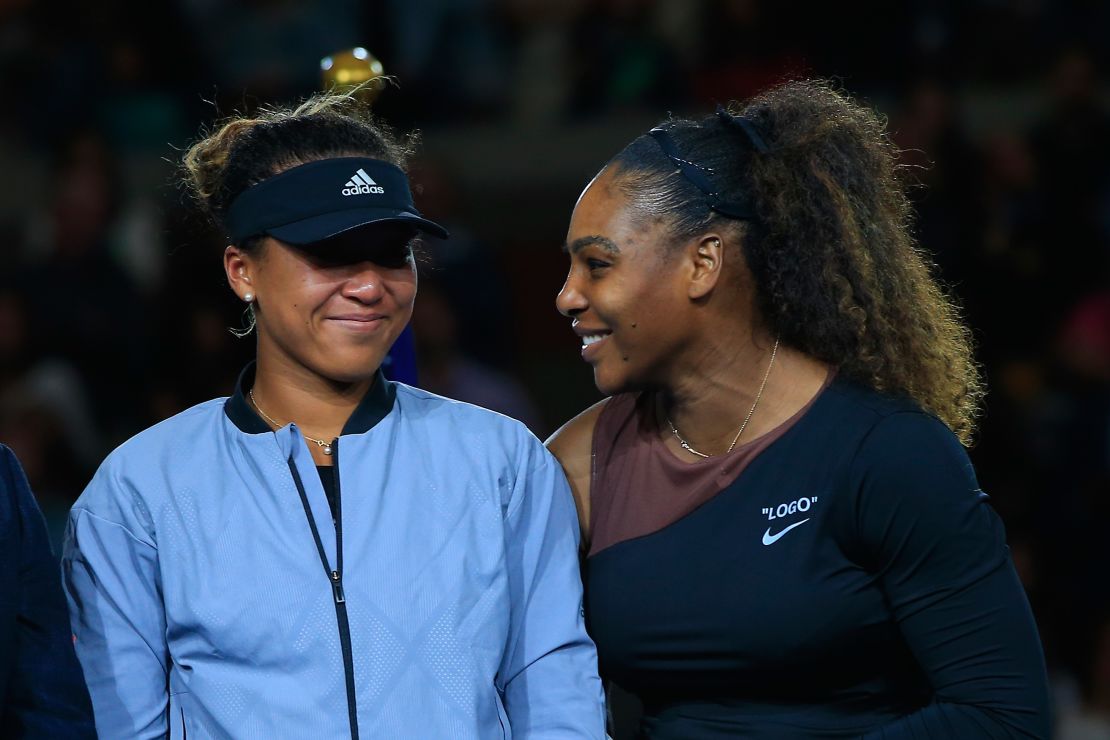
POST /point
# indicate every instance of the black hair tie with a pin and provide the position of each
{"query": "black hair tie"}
(745, 125)
(699, 176)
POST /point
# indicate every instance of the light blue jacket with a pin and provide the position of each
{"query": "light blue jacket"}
(201, 604)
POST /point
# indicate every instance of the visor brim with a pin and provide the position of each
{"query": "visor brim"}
(325, 226)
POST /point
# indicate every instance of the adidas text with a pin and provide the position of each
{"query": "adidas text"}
(363, 190)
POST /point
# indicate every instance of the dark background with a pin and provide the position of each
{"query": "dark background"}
(114, 311)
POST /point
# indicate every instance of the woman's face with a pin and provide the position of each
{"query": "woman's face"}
(626, 291)
(333, 308)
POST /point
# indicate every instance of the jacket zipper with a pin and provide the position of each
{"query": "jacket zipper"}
(341, 600)
(336, 579)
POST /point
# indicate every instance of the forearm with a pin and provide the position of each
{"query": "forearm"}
(980, 648)
(948, 719)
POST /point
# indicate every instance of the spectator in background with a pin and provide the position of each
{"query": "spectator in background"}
(1069, 438)
(42, 691)
(743, 47)
(942, 169)
(1091, 719)
(1009, 260)
(619, 61)
(1072, 148)
(80, 302)
(446, 369)
(543, 55)
(45, 416)
(464, 290)
(463, 267)
(271, 47)
(33, 427)
(448, 54)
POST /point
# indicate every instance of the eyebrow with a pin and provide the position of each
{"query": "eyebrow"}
(586, 241)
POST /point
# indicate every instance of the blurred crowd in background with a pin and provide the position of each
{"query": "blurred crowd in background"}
(114, 312)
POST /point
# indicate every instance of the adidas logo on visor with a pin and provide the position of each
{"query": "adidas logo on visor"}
(361, 184)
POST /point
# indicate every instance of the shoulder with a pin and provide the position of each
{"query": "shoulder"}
(11, 472)
(14, 491)
(898, 435)
(188, 428)
(888, 443)
(466, 419)
(909, 467)
(572, 446)
(465, 436)
(848, 398)
(915, 455)
(865, 422)
(573, 441)
(126, 474)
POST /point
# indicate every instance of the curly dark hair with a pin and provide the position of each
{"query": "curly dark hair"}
(243, 151)
(838, 275)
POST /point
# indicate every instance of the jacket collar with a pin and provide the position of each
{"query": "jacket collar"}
(374, 406)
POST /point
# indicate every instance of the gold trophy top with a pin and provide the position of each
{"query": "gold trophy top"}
(353, 68)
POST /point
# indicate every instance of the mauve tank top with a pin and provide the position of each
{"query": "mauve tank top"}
(638, 486)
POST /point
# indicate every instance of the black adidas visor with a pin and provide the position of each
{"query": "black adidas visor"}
(323, 199)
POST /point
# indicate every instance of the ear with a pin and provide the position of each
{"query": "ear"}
(238, 265)
(706, 265)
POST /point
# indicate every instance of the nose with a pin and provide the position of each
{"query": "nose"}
(364, 283)
(570, 301)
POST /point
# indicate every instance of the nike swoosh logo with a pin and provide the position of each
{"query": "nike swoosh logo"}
(770, 539)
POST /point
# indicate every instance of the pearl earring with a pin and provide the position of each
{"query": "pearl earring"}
(248, 297)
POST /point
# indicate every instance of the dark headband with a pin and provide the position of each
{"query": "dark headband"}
(322, 199)
(738, 208)
(746, 126)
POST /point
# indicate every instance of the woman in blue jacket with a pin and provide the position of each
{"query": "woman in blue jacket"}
(327, 553)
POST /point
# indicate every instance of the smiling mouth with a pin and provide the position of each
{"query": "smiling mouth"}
(591, 345)
(358, 323)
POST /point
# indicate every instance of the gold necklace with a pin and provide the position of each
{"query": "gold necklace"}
(323, 445)
(759, 394)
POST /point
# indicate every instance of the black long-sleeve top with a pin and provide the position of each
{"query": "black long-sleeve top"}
(852, 581)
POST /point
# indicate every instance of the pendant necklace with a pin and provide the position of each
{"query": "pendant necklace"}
(324, 445)
(759, 394)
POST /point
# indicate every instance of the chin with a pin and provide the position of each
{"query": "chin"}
(350, 369)
(610, 384)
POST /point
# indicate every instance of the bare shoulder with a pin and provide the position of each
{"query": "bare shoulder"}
(572, 446)
(573, 440)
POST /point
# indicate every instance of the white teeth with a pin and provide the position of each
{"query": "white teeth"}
(588, 340)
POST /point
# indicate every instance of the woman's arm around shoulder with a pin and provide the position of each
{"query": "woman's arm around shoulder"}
(572, 446)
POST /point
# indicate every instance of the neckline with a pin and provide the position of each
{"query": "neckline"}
(651, 426)
(374, 406)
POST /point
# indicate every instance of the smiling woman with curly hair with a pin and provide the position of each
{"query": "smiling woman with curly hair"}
(785, 536)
